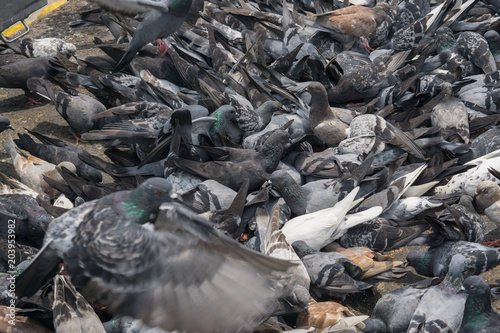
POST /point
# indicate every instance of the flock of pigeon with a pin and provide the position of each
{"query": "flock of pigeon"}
(261, 156)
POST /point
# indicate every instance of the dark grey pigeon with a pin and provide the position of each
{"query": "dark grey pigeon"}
(395, 310)
(382, 235)
(462, 221)
(115, 258)
(436, 260)
(56, 151)
(161, 18)
(233, 174)
(441, 308)
(251, 121)
(320, 194)
(331, 273)
(75, 107)
(478, 314)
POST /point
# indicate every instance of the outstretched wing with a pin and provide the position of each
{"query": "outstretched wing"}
(182, 277)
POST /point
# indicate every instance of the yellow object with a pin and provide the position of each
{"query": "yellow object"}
(47, 9)
(39, 13)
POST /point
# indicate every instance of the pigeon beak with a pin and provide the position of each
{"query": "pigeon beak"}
(462, 290)
(10, 127)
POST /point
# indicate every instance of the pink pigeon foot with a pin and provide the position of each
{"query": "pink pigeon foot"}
(162, 47)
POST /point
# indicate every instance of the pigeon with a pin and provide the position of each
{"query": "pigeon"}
(295, 281)
(462, 222)
(323, 120)
(361, 21)
(466, 182)
(395, 311)
(478, 314)
(251, 121)
(46, 47)
(5, 124)
(76, 108)
(436, 260)
(72, 312)
(138, 285)
(233, 174)
(442, 305)
(16, 74)
(317, 228)
(371, 263)
(160, 20)
(329, 315)
(56, 151)
(330, 272)
(31, 169)
(319, 194)
(381, 234)
(487, 200)
(450, 116)
(369, 132)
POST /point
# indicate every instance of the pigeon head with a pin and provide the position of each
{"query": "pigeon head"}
(179, 7)
(421, 261)
(143, 203)
(273, 149)
(478, 303)
(317, 92)
(224, 115)
(5, 124)
(302, 249)
(444, 39)
(458, 267)
(476, 286)
(487, 193)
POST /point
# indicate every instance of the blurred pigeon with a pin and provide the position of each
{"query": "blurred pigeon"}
(138, 285)
(160, 20)
(436, 260)
(478, 314)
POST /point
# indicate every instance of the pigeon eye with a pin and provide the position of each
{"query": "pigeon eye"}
(472, 287)
(159, 192)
